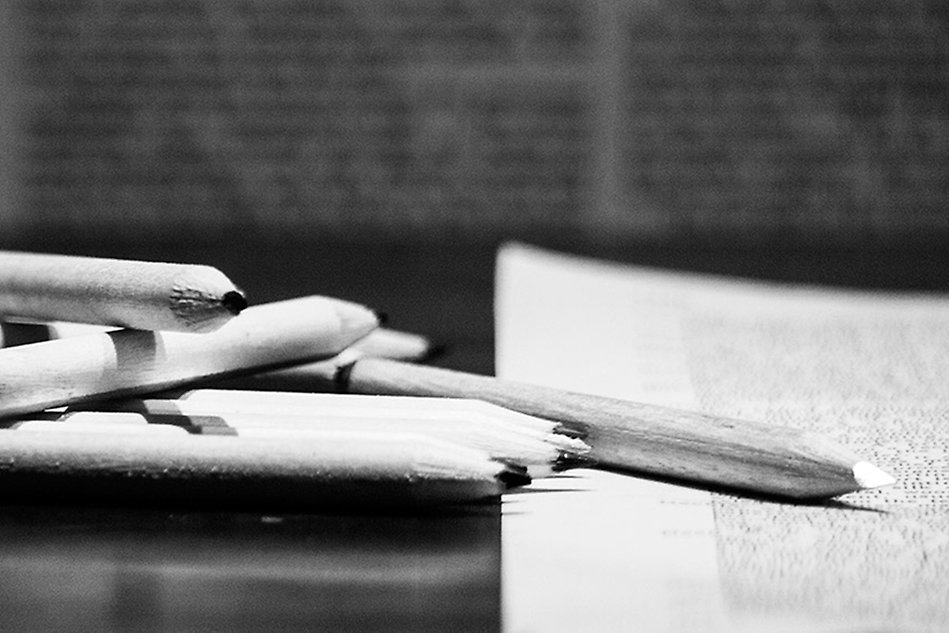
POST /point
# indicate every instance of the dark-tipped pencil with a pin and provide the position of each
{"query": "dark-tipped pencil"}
(722, 452)
(123, 362)
(342, 470)
(124, 293)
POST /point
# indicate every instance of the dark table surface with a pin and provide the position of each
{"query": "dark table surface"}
(148, 569)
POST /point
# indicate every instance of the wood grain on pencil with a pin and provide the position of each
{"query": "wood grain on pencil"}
(541, 452)
(125, 293)
(76, 369)
(345, 470)
(738, 454)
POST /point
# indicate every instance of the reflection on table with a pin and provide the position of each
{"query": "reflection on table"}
(127, 569)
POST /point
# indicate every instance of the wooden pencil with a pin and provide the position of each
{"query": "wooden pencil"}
(735, 454)
(124, 293)
(122, 362)
(348, 470)
(356, 405)
(382, 342)
(14, 332)
(541, 453)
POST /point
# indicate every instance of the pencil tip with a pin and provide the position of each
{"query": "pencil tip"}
(513, 476)
(234, 301)
(567, 461)
(434, 351)
(869, 476)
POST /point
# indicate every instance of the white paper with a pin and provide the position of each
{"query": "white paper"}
(870, 370)
(589, 550)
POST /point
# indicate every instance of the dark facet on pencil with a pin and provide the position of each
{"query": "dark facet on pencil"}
(435, 351)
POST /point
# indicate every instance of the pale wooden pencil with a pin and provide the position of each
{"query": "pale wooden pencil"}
(540, 453)
(77, 369)
(14, 332)
(361, 405)
(382, 343)
(126, 293)
(672, 443)
(349, 469)
(102, 424)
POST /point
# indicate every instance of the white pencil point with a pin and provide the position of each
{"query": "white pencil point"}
(869, 476)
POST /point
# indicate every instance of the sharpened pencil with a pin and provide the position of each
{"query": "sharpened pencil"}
(361, 405)
(382, 342)
(125, 293)
(541, 453)
(740, 455)
(347, 470)
(124, 362)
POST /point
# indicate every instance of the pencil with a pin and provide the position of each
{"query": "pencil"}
(14, 332)
(353, 405)
(348, 470)
(735, 454)
(383, 342)
(541, 453)
(125, 293)
(123, 362)
(111, 424)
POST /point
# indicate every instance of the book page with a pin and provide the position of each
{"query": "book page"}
(868, 369)
(590, 550)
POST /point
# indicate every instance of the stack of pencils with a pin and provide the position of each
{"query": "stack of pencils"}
(119, 329)
(111, 383)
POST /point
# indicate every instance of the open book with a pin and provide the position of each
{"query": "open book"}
(602, 551)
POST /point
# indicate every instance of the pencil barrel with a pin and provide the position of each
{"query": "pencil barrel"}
(500, 441)
(127, 468)
(122, 293)
(41, 375)
(660, 441)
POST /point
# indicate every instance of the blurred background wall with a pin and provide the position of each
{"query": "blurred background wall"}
(748, 122)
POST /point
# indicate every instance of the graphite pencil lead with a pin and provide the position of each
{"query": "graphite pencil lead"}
(514, 476)
(142, 295)
(869, 476)
(234, 301)
(435, 351)
(567, 461)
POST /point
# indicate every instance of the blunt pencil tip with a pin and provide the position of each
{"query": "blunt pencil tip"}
(566, 461)
(513, 476)
(234, 301)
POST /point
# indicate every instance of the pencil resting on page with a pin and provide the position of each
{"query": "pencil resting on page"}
(339, 470)
(75, 369)
(124, 293)
(683, 445)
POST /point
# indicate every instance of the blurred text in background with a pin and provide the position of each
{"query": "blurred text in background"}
(801, 122)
